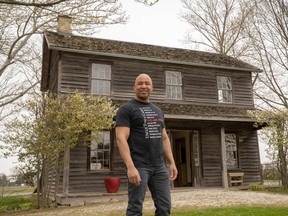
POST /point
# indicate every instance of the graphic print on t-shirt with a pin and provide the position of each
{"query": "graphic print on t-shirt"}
(152, 123)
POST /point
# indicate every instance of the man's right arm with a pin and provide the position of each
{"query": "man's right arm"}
(122, 134)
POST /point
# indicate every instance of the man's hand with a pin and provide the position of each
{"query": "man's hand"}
(173, 172)
(133, 176)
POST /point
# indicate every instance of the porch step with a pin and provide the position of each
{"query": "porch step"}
(76, 199)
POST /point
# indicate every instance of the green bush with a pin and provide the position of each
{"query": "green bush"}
(256, 187)
(25, 206)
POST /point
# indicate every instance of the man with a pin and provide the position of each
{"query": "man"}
(143, 144)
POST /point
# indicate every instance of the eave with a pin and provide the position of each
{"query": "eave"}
(209, 118)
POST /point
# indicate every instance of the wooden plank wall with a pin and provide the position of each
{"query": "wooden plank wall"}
(125, 73)
(53, 73)
(83, 180)
(211, 157)
(195, 80)
(243, 89)
(250, 159)
(199, 84)
(74, 74)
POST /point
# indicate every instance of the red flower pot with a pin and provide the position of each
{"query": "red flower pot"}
(112, 184)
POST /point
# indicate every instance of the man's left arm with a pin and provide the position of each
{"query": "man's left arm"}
(169, 156)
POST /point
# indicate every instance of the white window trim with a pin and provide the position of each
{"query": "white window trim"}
(222, 90)
(180, 85)
(103, 80)
(99, 165)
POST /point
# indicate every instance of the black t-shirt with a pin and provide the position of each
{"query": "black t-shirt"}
(146, 123)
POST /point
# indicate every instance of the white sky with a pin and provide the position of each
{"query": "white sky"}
(157, 25)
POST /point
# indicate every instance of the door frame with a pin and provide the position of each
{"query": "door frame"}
(193, 172)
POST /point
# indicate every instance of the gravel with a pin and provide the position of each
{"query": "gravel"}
(181, 199)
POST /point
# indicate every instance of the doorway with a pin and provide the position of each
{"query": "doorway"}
(186, 151)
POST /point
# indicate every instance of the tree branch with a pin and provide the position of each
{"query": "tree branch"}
(13, 2)
(21, 94)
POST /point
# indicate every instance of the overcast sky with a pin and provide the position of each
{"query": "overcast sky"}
(157, 25)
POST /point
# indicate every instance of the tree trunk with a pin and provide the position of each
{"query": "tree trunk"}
(282, 165)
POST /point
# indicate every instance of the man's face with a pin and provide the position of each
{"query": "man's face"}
(143, 87)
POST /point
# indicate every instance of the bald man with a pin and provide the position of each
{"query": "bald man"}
(143, 144)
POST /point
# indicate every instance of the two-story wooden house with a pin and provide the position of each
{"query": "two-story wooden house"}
(205, 98)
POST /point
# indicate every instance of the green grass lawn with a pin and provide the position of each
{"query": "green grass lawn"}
(17, 203)
(15, 190)
(234, 211)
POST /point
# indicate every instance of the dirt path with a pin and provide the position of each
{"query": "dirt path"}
(193, 198)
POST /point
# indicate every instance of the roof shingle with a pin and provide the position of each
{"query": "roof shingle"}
(128, 49)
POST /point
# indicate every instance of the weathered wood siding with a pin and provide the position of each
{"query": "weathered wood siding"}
(81, 179)
(74, 73)
(211, 157)
(125, 72)
(199, 84)
(250, 159)
(53, 73)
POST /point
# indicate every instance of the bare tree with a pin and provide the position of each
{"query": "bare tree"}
(268, 31)
(219, 23)
(20, 45)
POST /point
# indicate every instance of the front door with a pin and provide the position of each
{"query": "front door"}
(181, 162)
(187, 158)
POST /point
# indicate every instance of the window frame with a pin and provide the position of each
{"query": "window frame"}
(237, 166)
(110, 152)
(223, 89)
(180, 85)
(101, 79)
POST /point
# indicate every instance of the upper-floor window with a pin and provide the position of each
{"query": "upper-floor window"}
(101, 79)
(231, 150)
(224, 85)
(100, 152)
(173, 85)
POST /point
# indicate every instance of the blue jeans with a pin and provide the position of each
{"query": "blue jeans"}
(157, 180)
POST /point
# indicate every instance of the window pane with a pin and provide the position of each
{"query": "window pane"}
(100, 152)
(224, 85)
(174, 92)
(101, 71)
(173, 85)
(101, 79)
(231, 151)
(100, 87)
(219, 82)
(225, 96)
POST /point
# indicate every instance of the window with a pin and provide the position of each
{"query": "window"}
(101, 79)
(224, 85)
(195, 141)
(173, 85)
(231, 151)
(100, 152)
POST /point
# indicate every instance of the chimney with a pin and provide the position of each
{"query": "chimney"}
(64, 25)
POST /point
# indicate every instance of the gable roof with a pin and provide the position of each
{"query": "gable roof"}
(97, 46)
